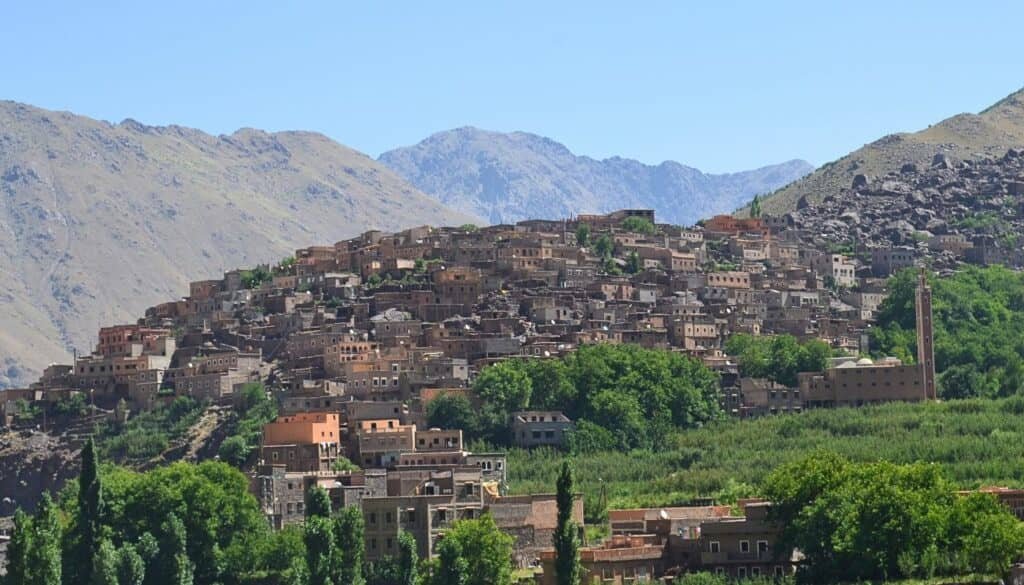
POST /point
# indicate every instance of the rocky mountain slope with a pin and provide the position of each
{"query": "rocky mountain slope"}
(979, 201)
(510, 177)
(99, 220)
(964, 136)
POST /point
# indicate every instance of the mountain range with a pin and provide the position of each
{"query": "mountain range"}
(964, 136)
(99, 221)
(508, 177)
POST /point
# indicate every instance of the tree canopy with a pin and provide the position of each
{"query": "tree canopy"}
(978, 314)
(638, 225)
(621, 396)
(868, 521)
(778, 357)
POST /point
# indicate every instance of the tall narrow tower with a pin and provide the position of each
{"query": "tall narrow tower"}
(925, 341)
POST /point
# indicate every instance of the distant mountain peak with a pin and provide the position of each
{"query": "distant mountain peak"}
(510, 176)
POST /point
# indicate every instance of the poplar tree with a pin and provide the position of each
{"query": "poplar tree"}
(321, 552)
(18, 550)
(84, 545)
(319, 503)
(348, 534)
(44, 558)
(407, 558)
(567, 537)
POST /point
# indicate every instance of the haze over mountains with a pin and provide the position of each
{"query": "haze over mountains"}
(99, 220)
(964, 136)
(508, 177)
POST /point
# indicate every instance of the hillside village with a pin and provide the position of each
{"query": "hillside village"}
(355, 340)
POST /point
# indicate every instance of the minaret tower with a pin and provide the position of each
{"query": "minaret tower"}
(925, 341)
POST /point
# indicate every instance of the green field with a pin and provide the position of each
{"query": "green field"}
(977, 442)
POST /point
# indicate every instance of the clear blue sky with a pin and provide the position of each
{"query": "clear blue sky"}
(718, 85)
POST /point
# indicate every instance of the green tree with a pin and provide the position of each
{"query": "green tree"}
(755, 207)
(985, 536)
(486, 549)
(18, 550)
(453, 411)
(105, 564)
(348, 530)
(87, 533)
(567, 535)
(551, 387)
(172, 563)
(583, 235)
(604, 246)
(639, 225)
(870, 521)
(504, 388)
(321, 551)
(452, 566)
(234, 450)
(343, 463)
(131, 567)
(609, 267)
(319, 503)
(407, 559)
(255, 277)
(977, 312)
(44, 558)
(633, 263)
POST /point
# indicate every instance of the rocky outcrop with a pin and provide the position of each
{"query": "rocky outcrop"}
(980, 200)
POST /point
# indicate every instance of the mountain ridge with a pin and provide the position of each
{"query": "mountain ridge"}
(510, 176)
(100, 219)
(988, 133)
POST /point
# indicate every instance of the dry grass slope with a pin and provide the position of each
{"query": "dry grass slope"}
(99, 220)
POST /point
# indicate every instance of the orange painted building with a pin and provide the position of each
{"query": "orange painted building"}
(304, 428)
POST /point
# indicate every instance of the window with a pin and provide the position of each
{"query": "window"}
(744, 546)
(716, 546)
(741, 572)
(777, 570)
(373, 517)
(755, 571)
(762, 547)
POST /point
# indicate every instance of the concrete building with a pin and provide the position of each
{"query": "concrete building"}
(540, 429)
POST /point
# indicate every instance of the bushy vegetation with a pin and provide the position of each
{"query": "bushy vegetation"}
(255, 277)
(149, 433)
(978, 317)
(879, 520)
(779, 358)
(189, 524)
(978, 442)
(621, 396)
(255, 409)
(639, 225)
